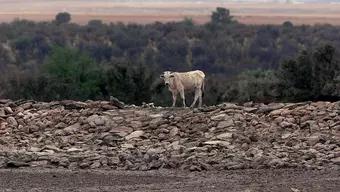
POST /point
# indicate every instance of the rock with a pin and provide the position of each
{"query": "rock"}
(174, 146)
(99, 121)
(51, 147)
(224, 136)
(111, 139)
(73, 149)
(154, 116)
(3, 162)
(16, 164)
(218, 117)
(286, 135)
(35, 149)
(95, 165)
(33, 128)
(114, 101)
(12, 122)
(158, 150)
(222, 143)
(89, 135)
(121, 131)
(174, 131)
(286, 124)
(336, 161)
(60, 125)
(96, 120)
(294, 189)
(2, 112)
(276, 163)
(8, 110)
(72, 128)
(134, 134)
(312, 140)
(26, 106)
(136, 124)
(84, 165)
(225, 124)
(127, 146)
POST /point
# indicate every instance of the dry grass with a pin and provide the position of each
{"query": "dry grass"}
(250, 13)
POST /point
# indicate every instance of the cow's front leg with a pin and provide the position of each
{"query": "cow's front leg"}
(174, 97)
(197, 93)
(183, 97)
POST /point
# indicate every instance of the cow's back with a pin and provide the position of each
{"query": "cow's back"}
(191, 79)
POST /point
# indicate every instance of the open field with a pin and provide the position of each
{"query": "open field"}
(147, 12)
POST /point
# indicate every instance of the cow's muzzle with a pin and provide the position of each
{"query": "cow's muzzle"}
(167, 84)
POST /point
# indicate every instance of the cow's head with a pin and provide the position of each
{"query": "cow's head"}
(167, 77)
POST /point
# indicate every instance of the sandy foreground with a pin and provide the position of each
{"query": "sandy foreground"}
(147, 12)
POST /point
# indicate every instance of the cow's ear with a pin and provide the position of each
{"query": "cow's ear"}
(161, 76)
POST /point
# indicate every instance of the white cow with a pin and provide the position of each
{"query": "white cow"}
(186, 81)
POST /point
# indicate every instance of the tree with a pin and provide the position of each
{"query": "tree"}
(63, 17)
(255, 85)
(311, 76)
(73, 74)
(131, 84)
(221, 16)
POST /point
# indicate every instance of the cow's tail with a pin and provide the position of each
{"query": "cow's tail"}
(203, 87)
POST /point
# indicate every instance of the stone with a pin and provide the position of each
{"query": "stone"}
(95, 165)
(222, 143)
(155, 150)
(294, 189)
(8, 110)
(35, 149)
(286, 124)
(121, 130)
(74, 149)
(174, 146)
(174, 131)
(312, 140)
(86, 135)
(60, 125)
(96, 120)
(218, 117)
(136, 124)
(336, 161)
(72, 128)
(111, 139)
(286, 135)
(134, 134)
(224, 136)
(127, 146)
(16, 164)
(158, 116)
(225, 124)
(12, 121)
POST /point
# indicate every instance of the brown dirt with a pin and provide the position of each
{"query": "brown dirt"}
(148, 12)
(281, 180)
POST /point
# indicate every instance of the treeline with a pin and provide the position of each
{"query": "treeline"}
(63, 60)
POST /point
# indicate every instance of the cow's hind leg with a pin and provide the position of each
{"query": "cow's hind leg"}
(183, 97)
(197, 93)
(200, 98)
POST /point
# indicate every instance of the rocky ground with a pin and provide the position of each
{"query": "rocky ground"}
(98, 135)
